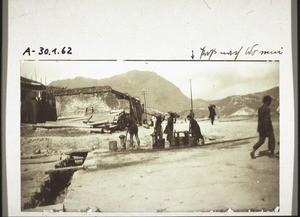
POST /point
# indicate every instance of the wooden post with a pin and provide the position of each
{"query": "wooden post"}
(191, 95)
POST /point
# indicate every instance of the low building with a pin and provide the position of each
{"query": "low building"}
(100, 99)
(37, 105)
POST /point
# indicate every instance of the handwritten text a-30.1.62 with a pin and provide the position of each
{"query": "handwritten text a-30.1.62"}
(46, 51)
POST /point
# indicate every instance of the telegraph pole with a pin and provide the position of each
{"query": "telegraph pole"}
(35, 73)
(191, 94)
(144, 92)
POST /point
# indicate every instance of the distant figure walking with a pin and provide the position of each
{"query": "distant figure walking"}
(158, 128)
(265, 127)
(132, 129)
(212, 113)
(194, 129)
(170, 126)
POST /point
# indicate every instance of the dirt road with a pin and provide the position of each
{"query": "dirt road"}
(203, 178)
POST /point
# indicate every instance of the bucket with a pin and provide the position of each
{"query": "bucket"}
(128, 146)
(172, 142)
(122, 142)
(192, 141)
(185, 140)
(181, 139)
(113, 145)
(154, 139)
(160, 143)
(176, 141)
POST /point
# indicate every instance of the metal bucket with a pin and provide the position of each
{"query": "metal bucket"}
(172, 142)
(113, 145)
(181, 138)
(192, 141)
(176, 141)
(128, 146)
(185, 140)
(122, 142)
(154, 139)
(160, 143)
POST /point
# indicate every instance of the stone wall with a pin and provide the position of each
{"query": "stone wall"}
(72, 105)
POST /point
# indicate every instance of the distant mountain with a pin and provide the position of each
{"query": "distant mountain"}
(246, 104)
(164, 96)
(161, 94)
(237, 105)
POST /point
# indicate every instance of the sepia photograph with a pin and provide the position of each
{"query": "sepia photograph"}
(149, 108)
(149, 136)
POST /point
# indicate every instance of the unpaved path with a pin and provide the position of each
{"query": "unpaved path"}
(195, 179)
(215, 177)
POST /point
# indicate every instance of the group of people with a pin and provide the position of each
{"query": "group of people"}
(194, 128)
(265, 127)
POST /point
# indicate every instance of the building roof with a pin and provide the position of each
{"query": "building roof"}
(28, 84)
(58, 91)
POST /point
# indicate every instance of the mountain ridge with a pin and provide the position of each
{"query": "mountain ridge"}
(164, 96)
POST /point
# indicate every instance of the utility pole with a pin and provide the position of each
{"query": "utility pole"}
(35, 73)
(144, 92)
(191, 94)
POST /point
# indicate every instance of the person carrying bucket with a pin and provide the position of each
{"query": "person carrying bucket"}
(194, 129)
(170, 126)
(132, 129)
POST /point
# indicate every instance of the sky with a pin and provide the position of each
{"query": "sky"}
(150, 29)
(210, 80)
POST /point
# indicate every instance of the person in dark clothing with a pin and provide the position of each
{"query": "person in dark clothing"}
(194, 129)
(264, 127)
(34, 115)
(132, 129)
(170, 126)
(158, 127)
(192, 114)
(212, 113)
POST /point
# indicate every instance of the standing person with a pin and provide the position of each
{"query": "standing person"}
(212, 113)
(34, 114)
(132, 129)
(170, 126)
(264, 127)
(192, 114)
(153, 119)
(194, 129)
(158, 128)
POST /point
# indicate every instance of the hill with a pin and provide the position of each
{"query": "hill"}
(238, 105)
(164, 96)
(161, 94)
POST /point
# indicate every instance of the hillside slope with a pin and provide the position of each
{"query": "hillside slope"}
(164, 96)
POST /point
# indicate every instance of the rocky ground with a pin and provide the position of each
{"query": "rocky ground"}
(218, 176)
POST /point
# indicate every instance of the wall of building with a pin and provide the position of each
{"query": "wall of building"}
(28, 106)
(72, 105)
